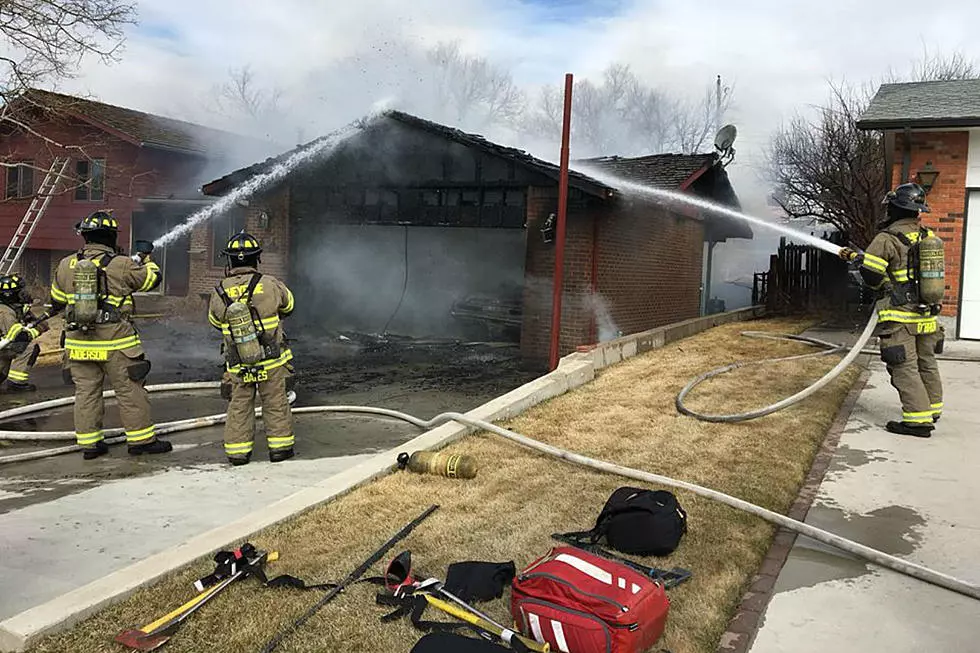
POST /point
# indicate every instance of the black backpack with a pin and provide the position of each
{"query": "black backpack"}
(639, 522)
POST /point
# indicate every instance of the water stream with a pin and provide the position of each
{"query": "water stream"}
(320, 147)
(632, 187)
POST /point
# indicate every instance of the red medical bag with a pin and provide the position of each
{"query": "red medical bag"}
(582, 603)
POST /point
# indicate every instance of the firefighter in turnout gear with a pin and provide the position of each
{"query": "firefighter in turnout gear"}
(14, 295)
(19, 329)
(899, 263)
(247, 307)
(95, 286)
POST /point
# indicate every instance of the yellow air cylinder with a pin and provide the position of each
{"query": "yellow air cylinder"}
(243, 333)
(932, 270)
(86, 294)
(439, 464)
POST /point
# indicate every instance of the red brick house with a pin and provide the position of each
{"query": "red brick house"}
(147, 168)
(416, 228)
(932, 136)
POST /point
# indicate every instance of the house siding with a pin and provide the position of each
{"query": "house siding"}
(649, 271)
(948, 152)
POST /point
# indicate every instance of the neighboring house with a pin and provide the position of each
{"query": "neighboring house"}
(421, 229)
(147, 168)
(932, 136)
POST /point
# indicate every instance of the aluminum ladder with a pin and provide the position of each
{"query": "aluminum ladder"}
(34, 212)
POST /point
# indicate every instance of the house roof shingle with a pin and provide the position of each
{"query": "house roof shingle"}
(142, 129)
(576, 179)
(924, 104)
(671, 171)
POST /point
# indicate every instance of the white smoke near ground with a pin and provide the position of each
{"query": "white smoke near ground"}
(605, 324)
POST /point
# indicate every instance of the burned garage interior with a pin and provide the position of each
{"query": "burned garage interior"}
(411, 230)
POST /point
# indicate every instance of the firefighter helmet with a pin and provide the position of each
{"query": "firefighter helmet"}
(100, 220)
(11, 287)
(911, 197)
(241, 246)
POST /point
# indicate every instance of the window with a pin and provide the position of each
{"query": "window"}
(223, 227)
(431, 198)
(20, 180)
(91, 180)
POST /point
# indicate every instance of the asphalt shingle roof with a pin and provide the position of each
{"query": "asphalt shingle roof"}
(144, 129)
(668, 171)
(576, 179)
(924, 104)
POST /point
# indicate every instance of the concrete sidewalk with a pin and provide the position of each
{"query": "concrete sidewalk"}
(910, 497)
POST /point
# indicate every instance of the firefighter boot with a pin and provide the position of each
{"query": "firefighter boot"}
(905, 428)
(238, 462)
(13, 386)
(157, 446)
(101, 448)
(279, 455)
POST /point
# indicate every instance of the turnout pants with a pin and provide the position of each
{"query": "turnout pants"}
(276, 414)
(133, 400)
(20, 367)
(911, 361)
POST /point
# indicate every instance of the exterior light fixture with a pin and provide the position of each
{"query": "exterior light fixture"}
(263, 220)
(927, 177)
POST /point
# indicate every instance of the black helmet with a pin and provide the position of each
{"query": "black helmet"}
(11, 287)
(242, 245)
(911, 197)
(101, 220)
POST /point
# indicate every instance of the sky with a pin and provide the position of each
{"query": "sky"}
(779, 56)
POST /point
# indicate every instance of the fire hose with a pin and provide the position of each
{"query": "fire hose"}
(855, 351)
(880, 558)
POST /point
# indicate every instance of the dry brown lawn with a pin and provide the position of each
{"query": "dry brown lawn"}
(520, 497)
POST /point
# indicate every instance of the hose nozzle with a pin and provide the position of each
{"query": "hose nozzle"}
(847, 254)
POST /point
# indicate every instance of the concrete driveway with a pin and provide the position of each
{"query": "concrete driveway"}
(910, 497)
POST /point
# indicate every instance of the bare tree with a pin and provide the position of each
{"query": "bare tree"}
(241, 95)
(827, 170)
(45, 41)
(622, 115)
(477, 90)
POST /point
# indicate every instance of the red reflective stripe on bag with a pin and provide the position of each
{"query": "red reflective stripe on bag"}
(581, 603)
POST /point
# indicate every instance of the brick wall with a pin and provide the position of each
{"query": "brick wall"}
(204, 275)
(948, 153)
(650, 267)
(648, 271)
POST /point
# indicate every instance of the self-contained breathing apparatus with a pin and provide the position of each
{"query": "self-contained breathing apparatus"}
(926, 285)
(248, 343)
(90, 305)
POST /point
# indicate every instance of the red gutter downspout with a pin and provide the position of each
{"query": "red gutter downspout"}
(560, 227)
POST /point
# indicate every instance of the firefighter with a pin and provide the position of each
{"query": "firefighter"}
(247, 307)
(14, 294)
(13, 329)
(95, 285)
(908, 330)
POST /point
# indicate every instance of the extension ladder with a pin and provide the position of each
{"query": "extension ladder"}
(34, 212)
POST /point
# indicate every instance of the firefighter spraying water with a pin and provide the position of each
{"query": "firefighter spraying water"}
(94, 287)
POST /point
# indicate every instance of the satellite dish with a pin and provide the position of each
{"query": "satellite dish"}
(725, 138)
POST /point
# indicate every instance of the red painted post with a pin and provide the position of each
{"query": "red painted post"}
(560, 227)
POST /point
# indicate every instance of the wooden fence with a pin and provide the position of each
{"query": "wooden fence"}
(804, 278)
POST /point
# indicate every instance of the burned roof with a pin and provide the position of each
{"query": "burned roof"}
(575, 179)
(924, 104)
(670, 171)
(141, 129)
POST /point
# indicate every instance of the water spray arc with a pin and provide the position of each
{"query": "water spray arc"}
(318, 148)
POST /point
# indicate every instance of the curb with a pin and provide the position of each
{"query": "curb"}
(747, 620)
(574, 370)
